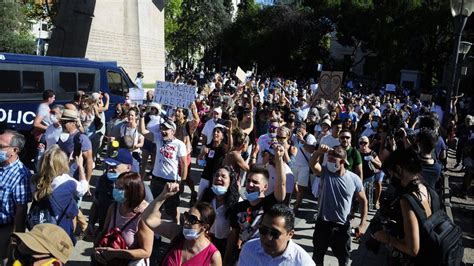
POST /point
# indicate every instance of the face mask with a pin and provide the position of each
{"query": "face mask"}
(119, 195)
(252, 196)
(54, 120)
(219, 190)
(190, 234)
(64, 137)
(374, 124)
(3, 156)
(154, 117)
(112, 176)
(272, 135)
(332, 167)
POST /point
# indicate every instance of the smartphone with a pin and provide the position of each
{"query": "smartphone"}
(77, 150)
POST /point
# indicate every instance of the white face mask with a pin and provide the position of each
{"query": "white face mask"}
(54, 120)
(332, 167)
(64, 137)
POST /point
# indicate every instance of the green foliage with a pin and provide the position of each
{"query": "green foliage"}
(15, 35)
(197, 25)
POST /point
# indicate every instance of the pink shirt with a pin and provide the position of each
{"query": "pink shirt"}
(129, 232)
(202, 258)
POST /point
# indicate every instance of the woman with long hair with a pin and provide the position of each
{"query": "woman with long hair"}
(190, 242)
(126, 214)
(213, 154)
(54, 184)
(222, 194)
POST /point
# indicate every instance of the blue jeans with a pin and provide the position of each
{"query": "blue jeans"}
(369, 190)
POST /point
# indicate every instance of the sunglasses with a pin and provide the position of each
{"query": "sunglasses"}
(274, 234)
(280, 138)
(363, 143)
(191, 219)
(273, 128)
(344, 137)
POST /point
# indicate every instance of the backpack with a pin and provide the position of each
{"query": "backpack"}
(114, 238)
(41, 212)
(440, 238)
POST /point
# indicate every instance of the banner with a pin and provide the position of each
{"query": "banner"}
(136, 95)
(329, 85)
(391, 87)
(176, 95)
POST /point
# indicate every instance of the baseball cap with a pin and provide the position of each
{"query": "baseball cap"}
(120, 156)
(69, 115)
(218, 110)
(364, 139)
(155, 105)
(169, 124)
(339, 152)
(327, 122)
(48, 239)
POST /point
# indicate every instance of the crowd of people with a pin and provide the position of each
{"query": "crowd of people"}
(264, 146)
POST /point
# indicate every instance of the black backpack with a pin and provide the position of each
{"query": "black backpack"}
(440, 238)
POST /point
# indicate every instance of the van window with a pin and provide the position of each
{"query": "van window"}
(86, 81)
(116, 83)
(11, 81)
(67, 81)
(33, 81)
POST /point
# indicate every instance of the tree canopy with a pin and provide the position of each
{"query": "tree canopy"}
(15, 30)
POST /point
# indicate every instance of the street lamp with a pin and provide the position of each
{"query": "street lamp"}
(461, 10)
(464, 48)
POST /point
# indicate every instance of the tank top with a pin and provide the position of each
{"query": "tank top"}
(128, 232)
(174, 255)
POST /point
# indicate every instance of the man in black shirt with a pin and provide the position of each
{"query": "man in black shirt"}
(246, 216)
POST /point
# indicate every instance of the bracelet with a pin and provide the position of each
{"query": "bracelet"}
(252, 158)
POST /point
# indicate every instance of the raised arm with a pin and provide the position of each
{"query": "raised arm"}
(314, 161)
(152, 214)
(280, 182)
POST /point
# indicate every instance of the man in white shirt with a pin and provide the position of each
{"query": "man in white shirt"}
(208, 129)
(171, 154)
(274, 246)
(53, 131)
(306, 143)
(265, 140)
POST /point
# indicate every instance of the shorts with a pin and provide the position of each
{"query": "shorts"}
(379, 176)
(171, 204)
(301, 174)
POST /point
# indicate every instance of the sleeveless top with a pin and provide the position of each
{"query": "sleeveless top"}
(130, 231)
(173, 257)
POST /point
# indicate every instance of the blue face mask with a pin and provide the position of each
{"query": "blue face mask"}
(190, 234)
(219, 190)
(119, 195)
(112, 176)
(252, 196)
(3, 156)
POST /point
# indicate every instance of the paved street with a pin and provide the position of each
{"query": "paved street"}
(462, 209)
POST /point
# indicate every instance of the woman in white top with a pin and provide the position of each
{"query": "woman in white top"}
(55, 186)
(131, 138)
(223, 193)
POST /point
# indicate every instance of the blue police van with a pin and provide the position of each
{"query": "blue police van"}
(23, 78)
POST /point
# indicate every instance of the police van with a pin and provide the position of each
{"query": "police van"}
(23, 78)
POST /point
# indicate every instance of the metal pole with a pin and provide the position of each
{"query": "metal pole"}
(459, 23)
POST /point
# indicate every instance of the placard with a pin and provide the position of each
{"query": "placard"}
(329, 85)
(426, 97)
(240, 74)
(391, 87)
(136, 95)
(175, 95)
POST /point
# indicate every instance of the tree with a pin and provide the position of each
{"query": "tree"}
(15, 30)
(197, 26)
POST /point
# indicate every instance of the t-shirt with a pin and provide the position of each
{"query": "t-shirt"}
(43, 110)
(336, 195)
(300, 159)
(214, 159)
(353, 158)
(167, 156)
(248, 218)
(431, 173)
(208, 130)
(264, 142)
(51, 135)
(290, 179)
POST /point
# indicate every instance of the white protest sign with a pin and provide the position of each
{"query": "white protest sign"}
(329, 85)
(136, 95)
(176, 95)
(390, 87)
(240, 74)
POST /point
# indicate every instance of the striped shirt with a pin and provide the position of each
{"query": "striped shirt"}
(14, 190)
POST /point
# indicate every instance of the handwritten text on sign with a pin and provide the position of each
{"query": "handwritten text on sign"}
(176, 95)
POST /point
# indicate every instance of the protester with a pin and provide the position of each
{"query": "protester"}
(15, 192)
(53, 184)
(338, 187)
(126, 214)
(41, 122)
(371, 165)
(246, 215)
(274, 246)
(45, 244)
(190, 244)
